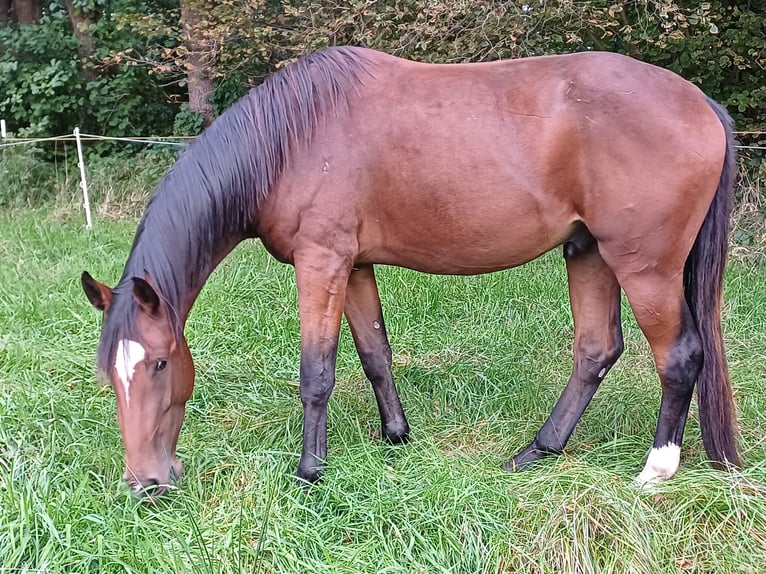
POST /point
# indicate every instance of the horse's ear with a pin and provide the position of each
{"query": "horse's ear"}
(146, 296)
(99, 295)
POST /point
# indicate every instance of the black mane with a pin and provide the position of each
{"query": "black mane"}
(209, 199)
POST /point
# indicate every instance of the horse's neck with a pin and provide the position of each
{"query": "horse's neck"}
(180, 266)
(222, 250)
(202, 208)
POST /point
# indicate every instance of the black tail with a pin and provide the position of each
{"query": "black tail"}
(703, 285)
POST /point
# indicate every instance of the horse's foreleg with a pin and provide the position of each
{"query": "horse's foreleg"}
(321, 277)
(595, 300)
(365, 318)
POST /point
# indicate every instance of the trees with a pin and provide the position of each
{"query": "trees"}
(82, 26)
(210, 50)
(199, 55)
(20, 11)
(157, 66)
(719, 45)
(55, 78)
(5, 12)
(27, 11)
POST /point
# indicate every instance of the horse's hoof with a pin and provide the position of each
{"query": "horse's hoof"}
(399, 435)
(529, 455)
(309, 474)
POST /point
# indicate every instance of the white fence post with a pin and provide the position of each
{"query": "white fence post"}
(3, 135)
(83, 181)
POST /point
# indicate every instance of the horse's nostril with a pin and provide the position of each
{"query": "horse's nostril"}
(142, 486)
(149, 488)
(136, 488)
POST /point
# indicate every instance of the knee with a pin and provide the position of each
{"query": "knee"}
(615, 350)
(313, 395)
(595, 359)
(317, 382)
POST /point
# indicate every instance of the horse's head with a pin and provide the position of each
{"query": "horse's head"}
(152, 374)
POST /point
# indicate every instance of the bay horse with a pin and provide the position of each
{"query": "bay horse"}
(348, 158)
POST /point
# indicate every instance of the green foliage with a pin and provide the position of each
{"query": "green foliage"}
(234, 37)
(718, 45)
(42, 91)
(45, 92)
(141, 53)
(48, 175)
(187, 122)
(128, 103)
(721, 47)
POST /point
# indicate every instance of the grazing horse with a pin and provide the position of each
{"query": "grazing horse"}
(349, 158)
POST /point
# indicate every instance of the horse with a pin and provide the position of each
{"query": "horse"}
(350, 158)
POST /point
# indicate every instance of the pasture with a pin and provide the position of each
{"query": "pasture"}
(478, 361)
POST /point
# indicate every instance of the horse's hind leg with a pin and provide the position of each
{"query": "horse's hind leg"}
(661, 311)
(365, 318)
(595, 300)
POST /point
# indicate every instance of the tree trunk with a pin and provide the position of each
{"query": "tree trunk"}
(5, 12)
(198, 58)
(28, 11)
(86, 46)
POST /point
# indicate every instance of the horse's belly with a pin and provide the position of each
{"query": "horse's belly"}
(463, 249)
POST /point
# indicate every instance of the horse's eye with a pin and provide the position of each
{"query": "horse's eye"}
(161, 364)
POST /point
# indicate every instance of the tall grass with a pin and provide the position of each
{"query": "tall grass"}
(479, 362)
(749, 214)
(48, 175)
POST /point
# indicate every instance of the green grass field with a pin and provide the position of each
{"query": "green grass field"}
(478, 361)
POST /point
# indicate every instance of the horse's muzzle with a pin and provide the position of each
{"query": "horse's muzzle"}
(151, 487)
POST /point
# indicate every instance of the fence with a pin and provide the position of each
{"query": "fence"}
(79, 137)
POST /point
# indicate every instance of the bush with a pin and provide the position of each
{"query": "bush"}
(45, 93)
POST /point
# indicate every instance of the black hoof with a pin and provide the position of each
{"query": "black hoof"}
(309, 473)
(400, 435)
(529, 455)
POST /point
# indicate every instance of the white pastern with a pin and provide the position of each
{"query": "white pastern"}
(129, 354)
(662, 464)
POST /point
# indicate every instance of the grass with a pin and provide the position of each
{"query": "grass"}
(48, 174)
(479, 362)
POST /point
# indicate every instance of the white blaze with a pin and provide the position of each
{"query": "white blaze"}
(662, 464)
(129, 354)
